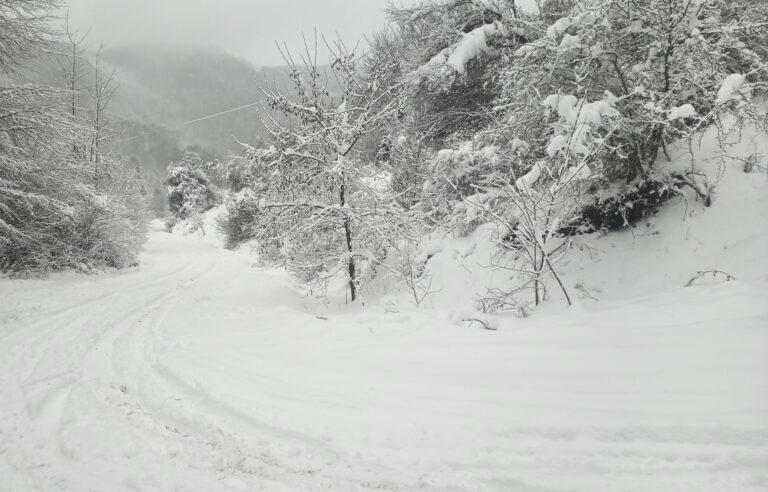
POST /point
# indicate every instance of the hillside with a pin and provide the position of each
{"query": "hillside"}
(172, 85)
(162, 87)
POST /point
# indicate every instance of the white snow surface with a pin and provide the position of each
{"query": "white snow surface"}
(199, 372)
(679, 112)
(570, 42)
(580, 117)
(730, 88)
(470, 46)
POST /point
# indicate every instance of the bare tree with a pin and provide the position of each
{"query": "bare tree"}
(323, 183)
(104, 87)
(25, 30)
(53, 214)
(71, 63)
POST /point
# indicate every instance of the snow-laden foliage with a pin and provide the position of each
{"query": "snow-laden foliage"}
(447, 56)
(637, 63)
(58, 208)
(25, 29)
(580, 102)
(543, 124)
(189, 189)
(315, 199)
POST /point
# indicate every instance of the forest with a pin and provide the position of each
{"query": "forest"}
(540, 126)
(544, 125)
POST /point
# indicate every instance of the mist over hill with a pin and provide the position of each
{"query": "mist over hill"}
(163, 87)
(171, 85)
(161, 90)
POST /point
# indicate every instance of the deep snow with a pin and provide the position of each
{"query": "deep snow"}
(197, 372)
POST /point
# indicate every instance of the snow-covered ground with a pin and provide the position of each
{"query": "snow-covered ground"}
(198, 372)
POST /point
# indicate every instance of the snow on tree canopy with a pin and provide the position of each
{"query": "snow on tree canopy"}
(679, 112)
(529, 179)
(559, 27)
(570, 42)
(580, 117)
(491, 5)
(577, 112)
(730, 90)
(471, 45)
(461, 160)
(562, 25)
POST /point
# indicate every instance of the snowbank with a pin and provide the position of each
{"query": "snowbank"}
(657, 256)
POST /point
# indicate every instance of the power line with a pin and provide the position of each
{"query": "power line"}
(196, 120)
(221, 113)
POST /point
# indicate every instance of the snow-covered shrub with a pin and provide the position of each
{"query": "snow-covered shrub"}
(247, 179)
(453, 174)
(407, 161)
(242, 220)
(449, 55)
(238, 174)
(580, 102)
(598, 98)
(324, 208)
(658, 68)
(618, 210)
(56, 210)
(189, 191)
(60, 207)
(110, 234)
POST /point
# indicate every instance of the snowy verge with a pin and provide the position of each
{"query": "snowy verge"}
(196, 372)
(660, 255)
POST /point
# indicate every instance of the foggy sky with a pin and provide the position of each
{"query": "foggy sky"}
(246, 28)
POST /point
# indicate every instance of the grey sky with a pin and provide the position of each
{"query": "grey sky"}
(246, 28)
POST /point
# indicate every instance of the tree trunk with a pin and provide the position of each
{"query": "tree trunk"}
(348, 234)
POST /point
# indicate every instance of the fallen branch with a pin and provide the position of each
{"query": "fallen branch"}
(715, 273)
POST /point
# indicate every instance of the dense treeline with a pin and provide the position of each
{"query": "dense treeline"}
(545, 124)
(64, 201)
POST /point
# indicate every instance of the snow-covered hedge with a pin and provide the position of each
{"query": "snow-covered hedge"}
(189, 190)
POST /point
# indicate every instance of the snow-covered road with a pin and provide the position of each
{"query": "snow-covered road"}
(199, 373)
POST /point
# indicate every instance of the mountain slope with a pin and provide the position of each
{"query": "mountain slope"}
(170, 86)
(162, 87)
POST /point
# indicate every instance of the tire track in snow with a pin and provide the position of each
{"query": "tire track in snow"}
(185, 410)
(100, 394)
(55, 350)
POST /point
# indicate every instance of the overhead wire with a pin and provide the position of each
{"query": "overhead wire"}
(196, 120)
